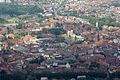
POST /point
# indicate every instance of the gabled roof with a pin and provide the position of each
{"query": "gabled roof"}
(28, 38)
(11, 35)
(54, 21)
(68, 27)
(101, 42)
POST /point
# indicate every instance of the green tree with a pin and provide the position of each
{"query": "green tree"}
(94, 65)
(31, 78)
(58, 24)
(78, 42)
(18, 76)
(60, 39)
(116, 4)
(2, 20)
(97, 74)
(57, 31)
(19, 26)
(4, 75)
(16, 10)
(12, 1)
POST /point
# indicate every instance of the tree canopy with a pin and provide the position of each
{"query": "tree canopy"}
(57, 31)
(116, 4)
(102, 21)
(15, 10)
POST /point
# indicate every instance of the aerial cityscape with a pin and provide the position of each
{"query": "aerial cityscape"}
(59, 39)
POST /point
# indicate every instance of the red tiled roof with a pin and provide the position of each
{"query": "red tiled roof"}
(28, 38)
(1, 36)
(100, 43)
(11, 35)
(85, 33)
(54, 21)
(68, 27)
(113, 37)
(1, 42)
